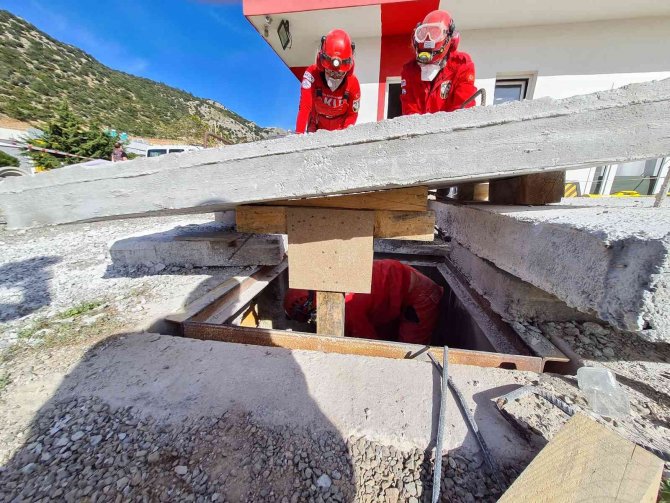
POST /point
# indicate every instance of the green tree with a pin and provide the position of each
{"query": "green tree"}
(66, 132)
(8, 160)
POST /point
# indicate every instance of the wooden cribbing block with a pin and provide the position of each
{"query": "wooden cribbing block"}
(537, 189)
(330, 250)
(413, 225)
(585, 461)
(405, 199)
(330, 313)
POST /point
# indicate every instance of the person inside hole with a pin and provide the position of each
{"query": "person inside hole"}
(403, 305)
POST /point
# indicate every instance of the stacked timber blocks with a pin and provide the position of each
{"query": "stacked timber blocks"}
(330, 240)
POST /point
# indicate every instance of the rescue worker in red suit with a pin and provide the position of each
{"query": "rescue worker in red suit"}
(403, 305)
(330, 94)
(439, 78)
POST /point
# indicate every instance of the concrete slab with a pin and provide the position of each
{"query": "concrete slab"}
(509, 296)
(394, 402)
(608, 257)
(441, 149)
(208, 245)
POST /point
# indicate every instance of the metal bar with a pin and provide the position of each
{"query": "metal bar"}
(665, 186)
(490, 460)
(437, 472)
(353, 346)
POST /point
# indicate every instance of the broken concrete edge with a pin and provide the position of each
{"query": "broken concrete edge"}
(613, 263)
(561, 134)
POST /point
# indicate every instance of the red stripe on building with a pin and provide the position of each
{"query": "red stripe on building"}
(261, 7)
(398, 22)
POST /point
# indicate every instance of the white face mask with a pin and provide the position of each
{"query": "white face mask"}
(333, 83)
(429, 72)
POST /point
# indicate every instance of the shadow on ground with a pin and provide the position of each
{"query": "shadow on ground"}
(31, 278)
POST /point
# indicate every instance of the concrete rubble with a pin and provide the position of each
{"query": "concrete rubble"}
(624, 124)
(608, 257)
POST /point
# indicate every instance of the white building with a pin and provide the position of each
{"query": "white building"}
(522, 49)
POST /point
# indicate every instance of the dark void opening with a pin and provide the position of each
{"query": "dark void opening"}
(457, 327)
(394, 108)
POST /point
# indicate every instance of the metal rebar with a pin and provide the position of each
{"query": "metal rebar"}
(488, 457)
(437, 472)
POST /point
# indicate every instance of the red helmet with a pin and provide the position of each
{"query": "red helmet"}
(435, 37)
(336, 53)
(300, 305)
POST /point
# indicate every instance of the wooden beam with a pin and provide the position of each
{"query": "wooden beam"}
(414, 226)
(235, 300)
(353, 346)
(586, 461)
(537, 189)
(407, 225)
(205, 303)
(434, 150)
(405, 199)
(330, 313)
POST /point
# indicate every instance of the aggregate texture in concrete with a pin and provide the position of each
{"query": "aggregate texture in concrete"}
(608, 257)
(208, 245)
(479, 143)
(390, 401)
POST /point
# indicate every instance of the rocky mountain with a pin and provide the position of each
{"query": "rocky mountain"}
(38, 72)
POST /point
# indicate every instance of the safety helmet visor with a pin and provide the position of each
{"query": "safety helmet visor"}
(433, 32)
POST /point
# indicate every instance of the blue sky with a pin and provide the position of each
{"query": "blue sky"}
(207, 48)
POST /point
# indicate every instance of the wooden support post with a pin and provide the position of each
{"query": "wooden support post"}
(330, 313)
(537, 189)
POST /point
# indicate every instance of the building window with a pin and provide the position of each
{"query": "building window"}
(393, 106)
(510, 90)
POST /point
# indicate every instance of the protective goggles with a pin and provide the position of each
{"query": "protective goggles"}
(434, 32)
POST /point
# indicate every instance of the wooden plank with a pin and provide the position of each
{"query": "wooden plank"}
(414, 226)
(205, 302)
(330, 313)
(434, 150)
(261, 219)
(330, 250)
(353, 346)
(405, 199)
(407, 225)
(537, 189)
(235, 300)
(586, 461)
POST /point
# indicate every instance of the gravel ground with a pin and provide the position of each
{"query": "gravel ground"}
(46, 272)
(83, 449)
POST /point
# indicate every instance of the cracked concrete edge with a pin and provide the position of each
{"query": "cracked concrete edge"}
(621, 277)
(607, 127)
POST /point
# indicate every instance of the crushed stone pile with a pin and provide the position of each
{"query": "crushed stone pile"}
(83, 449)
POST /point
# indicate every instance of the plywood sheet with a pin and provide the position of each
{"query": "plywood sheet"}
(330, 250)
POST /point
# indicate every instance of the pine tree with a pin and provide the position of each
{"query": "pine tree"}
(66, 132)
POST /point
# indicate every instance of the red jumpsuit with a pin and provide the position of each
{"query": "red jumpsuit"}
(403, 305)
(321, 108)
(454, 84)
